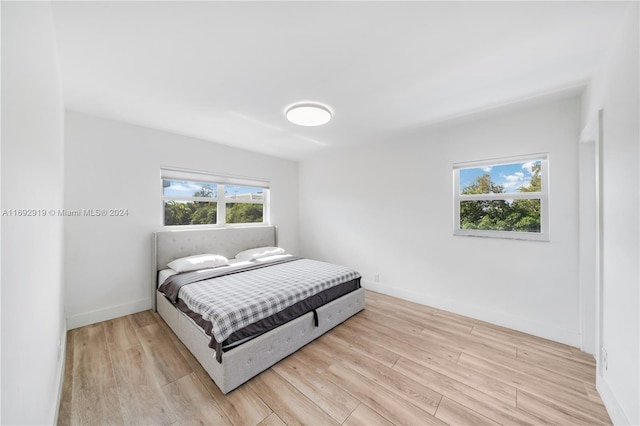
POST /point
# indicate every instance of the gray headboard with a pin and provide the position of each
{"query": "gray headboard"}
(171, 245)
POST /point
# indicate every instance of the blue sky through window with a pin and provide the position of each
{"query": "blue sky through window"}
(236, 190)
(178, 188)
(511, 176)
(175, 188)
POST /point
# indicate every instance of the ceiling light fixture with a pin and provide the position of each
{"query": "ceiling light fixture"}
(308, 114)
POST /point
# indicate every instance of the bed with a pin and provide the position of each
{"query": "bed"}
(275, 337)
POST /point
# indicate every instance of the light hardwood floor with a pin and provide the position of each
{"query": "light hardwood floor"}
(396, 362)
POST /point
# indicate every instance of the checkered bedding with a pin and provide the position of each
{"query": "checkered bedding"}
(233, 301)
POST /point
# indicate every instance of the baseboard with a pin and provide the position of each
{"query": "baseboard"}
(615, 411)
(80, 320)
(535, 328)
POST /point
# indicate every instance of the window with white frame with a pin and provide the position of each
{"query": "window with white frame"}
(196, 198)
(503, 198)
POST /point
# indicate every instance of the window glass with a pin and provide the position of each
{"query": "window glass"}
(243, 193)
(244, 213)
(503, 178)
(501, 215)
(178, 212)
(181, 188)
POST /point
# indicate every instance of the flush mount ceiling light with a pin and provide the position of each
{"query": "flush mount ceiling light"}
(308, 114)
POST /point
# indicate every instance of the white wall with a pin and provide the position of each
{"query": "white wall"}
(387, 210)
(615, 90)
(110, 164)
(33, 328)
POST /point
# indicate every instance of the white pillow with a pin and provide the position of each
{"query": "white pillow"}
(259, 252)
(199, 261)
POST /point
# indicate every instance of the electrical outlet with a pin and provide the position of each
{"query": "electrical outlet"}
(605, 359)
(376, 278)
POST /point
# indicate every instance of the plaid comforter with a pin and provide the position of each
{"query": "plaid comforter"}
(233, 301)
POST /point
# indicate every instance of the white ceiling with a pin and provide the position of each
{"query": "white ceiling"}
(226, 71)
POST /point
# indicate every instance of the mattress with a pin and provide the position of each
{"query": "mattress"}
(164, 274)
(331, 283)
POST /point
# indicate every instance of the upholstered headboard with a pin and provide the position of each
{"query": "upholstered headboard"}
(171, 245)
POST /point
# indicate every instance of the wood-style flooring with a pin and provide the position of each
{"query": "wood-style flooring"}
(394, 363)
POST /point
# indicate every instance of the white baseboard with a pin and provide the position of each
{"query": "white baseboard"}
(614, 409)
(80, 320)
(524, 325)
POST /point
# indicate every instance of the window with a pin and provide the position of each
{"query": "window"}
(195, 198)
(502, 198)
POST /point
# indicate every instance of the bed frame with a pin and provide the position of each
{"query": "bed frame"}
(251, 358)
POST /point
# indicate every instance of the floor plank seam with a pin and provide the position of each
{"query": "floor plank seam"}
(352, 411)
